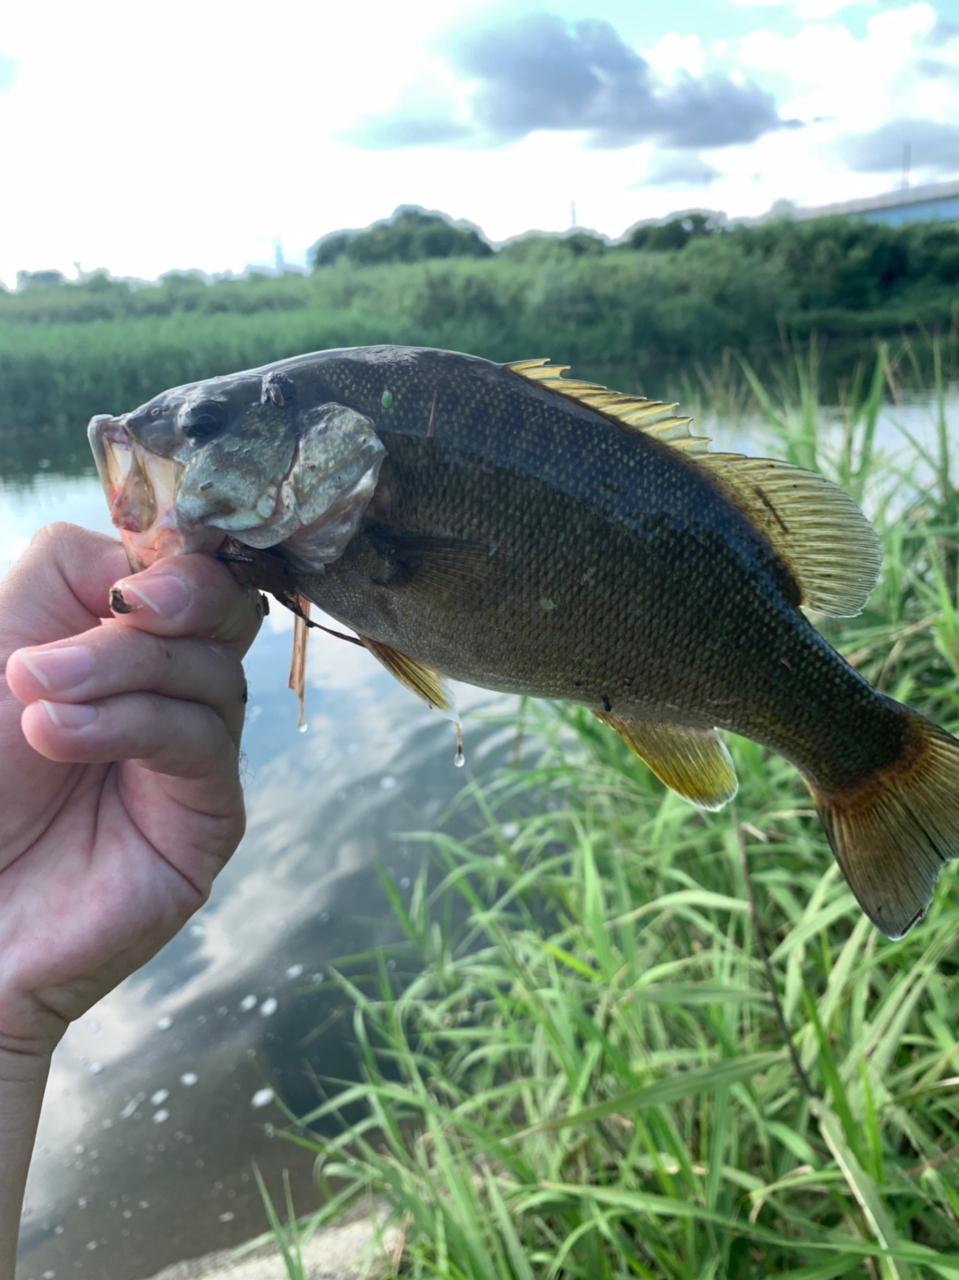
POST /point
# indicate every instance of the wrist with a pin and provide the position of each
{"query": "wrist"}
(22, 1069)
(23, 1077)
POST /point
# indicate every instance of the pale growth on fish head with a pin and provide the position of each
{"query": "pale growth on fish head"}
(237, 456)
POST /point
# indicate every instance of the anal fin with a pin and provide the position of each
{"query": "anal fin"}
(692, 762)
(419, 679)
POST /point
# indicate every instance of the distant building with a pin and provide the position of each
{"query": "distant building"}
(28, 279)
(938, 200)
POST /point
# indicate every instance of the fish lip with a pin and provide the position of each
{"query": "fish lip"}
(140, 488)
(95, 435)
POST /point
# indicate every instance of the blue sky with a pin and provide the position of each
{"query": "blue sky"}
(194, 134)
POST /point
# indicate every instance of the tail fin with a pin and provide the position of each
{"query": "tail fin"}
(892, 833)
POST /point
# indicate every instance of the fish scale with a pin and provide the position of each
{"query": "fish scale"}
(507, 526)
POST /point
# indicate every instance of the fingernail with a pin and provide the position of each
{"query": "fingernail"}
(59, 668)
(69, 715)
(165, 596)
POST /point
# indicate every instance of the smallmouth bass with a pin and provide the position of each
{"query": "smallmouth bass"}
(515, 529)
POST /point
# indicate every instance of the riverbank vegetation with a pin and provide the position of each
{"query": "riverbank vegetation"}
(666, 1043)
(635, 315)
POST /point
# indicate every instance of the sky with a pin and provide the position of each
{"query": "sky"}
(198, 134)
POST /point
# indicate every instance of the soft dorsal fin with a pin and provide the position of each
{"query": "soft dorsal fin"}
(818, 532)
(634, 413)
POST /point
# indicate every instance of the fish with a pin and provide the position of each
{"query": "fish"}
(525, 531)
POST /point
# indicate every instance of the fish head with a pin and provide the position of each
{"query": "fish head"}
(236, 456)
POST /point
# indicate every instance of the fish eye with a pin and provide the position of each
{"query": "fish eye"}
(203, 421)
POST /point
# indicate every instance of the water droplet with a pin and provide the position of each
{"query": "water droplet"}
(262, 1098)
(509, 830)
(405, 882)
(268, 1007)
(160, 1116)
(386, 400)
(96, 1068)
(165, 1023)
(459, 760)
(159, 1097)
(317, 977)
(79, 1149)
(82, 1202)
(131, 1106)
(144, 1204)
(248, 1003)
(387, 783)
(301, 728)
(49, 1275)
(391, 965)
(197, 931)
(294, 971)
(226, 1217)
(91, 1245)
(189, 1078)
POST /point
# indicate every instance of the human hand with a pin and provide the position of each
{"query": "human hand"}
(120, 797)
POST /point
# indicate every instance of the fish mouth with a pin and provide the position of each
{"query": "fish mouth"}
(141, 490)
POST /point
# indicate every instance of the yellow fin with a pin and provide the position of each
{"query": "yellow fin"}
(423, 681)
(817, 530)
(893, 832)
(632, 413)
(692, 762)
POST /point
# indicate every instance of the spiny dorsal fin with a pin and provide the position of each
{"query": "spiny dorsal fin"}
(692, 762)
(818, 532)
(632, 412)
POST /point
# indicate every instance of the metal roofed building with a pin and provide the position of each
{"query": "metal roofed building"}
(939, 200)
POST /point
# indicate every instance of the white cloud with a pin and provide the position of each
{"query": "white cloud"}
(197, 143)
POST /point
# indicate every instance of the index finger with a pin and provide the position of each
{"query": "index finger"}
(192, 595)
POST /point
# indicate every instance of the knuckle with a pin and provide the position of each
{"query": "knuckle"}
(51, 535)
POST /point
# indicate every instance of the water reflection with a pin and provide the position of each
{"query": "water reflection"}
(163, 1095)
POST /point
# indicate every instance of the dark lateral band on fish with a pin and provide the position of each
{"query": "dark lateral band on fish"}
(555, 539)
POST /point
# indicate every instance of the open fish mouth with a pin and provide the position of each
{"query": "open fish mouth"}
(303, 483)
(141, 490)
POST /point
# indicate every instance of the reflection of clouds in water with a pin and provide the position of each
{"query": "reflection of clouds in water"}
(24, 509)
(150, 1095)
(297, 891)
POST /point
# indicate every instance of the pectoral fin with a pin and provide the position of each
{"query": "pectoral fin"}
(423, 681)
(440, 571)
(692, 762)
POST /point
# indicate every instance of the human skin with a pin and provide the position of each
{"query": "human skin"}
(111, 830)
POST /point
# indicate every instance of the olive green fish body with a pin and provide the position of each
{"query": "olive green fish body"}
(527, 545)
(514, 529)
